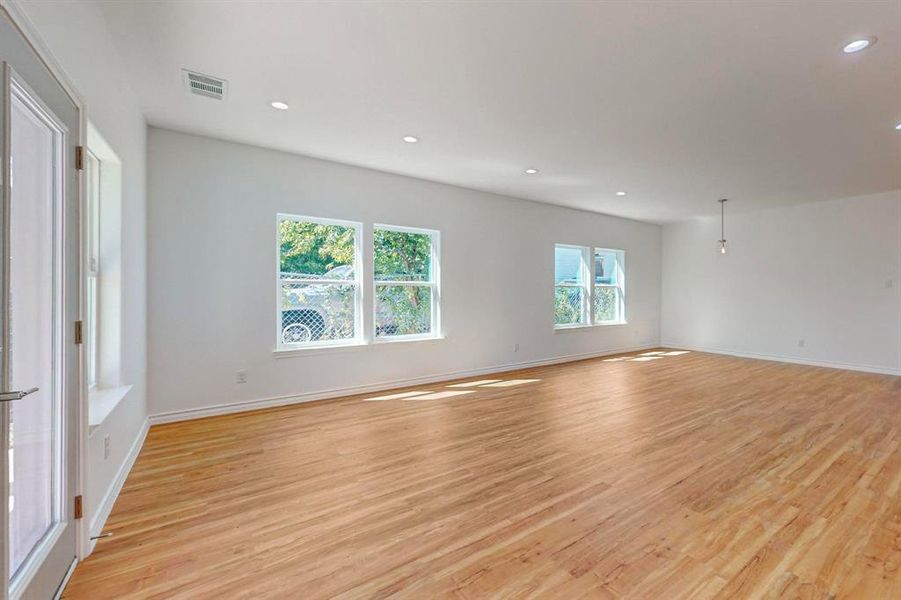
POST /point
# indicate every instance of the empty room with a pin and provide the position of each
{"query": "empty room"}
(469, 299)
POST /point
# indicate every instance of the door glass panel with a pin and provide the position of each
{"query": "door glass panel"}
(34, 453)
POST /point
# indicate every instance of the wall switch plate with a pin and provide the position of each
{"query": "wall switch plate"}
(241, 376)
(106, 445)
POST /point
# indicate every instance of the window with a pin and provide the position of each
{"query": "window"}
(571, 290)
(609, 295)
(93, 267)
(319, 282)
(103, 307)
(406, 282)
(588, 291)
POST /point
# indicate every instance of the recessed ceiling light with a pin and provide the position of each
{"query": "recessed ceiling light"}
(620, 193)
(411, 139)
(279, 105)
(531, 171)
(858, 45)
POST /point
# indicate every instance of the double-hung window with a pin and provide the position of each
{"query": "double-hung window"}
(103, 302)
(319, 295)
(609, 289)
(405, 269)
(571, 289)
(588, 286)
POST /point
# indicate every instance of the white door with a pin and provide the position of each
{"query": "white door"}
(39, 377)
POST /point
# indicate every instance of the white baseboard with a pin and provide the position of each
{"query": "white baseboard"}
(786, 359)
(247, 405)
(109, 499)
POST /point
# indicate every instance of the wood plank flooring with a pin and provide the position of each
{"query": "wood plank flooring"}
(668, 475)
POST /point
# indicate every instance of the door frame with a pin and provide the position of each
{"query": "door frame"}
(30, 34)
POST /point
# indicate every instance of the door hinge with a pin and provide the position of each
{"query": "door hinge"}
(79, 332)
(79, 158)
(78, 510)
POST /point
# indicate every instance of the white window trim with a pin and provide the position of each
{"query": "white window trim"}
(434, 284)
(92, 269)
(620, 286)
(588, 289)
(103, 401)
(317, 350)
(586, 275)
(357, 282)
(108, 388)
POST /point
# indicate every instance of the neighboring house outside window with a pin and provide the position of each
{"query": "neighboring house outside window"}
(589, 286)
(609, 286)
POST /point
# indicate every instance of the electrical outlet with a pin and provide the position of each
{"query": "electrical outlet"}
(801, 343)
(106, 447)
(241, 376)
(889, 284)
(516, 348)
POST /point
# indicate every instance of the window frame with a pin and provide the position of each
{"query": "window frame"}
(92, 268)
(586, 276)
(105, 385)
(357, 281)
(433, 284)
(620, 285)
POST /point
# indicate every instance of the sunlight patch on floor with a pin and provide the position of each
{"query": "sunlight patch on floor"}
(473, 383)
(398, 396)
(647, 356)
(430, 395)
(509, 383)
(441, 395)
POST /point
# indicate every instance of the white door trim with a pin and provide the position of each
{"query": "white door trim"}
(28, 30)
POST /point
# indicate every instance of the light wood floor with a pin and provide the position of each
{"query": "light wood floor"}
(691, 475)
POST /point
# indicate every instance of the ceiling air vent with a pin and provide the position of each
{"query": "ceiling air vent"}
(205, 85)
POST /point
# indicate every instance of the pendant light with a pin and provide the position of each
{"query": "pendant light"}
(722, 240)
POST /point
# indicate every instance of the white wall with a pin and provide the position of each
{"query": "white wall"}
(76, 35)
(827, 273)
(212, 216)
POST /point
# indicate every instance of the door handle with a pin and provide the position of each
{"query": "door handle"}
(10, 396)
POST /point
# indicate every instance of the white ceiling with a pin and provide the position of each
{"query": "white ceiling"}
(677, 103)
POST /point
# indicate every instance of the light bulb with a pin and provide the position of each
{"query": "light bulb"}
(858, 45)
(722, 246)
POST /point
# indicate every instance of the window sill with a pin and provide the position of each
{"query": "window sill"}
(102, 402)
(315, 350)
(572, 327)
(562, 328)
(351, 347)
(398, 339)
